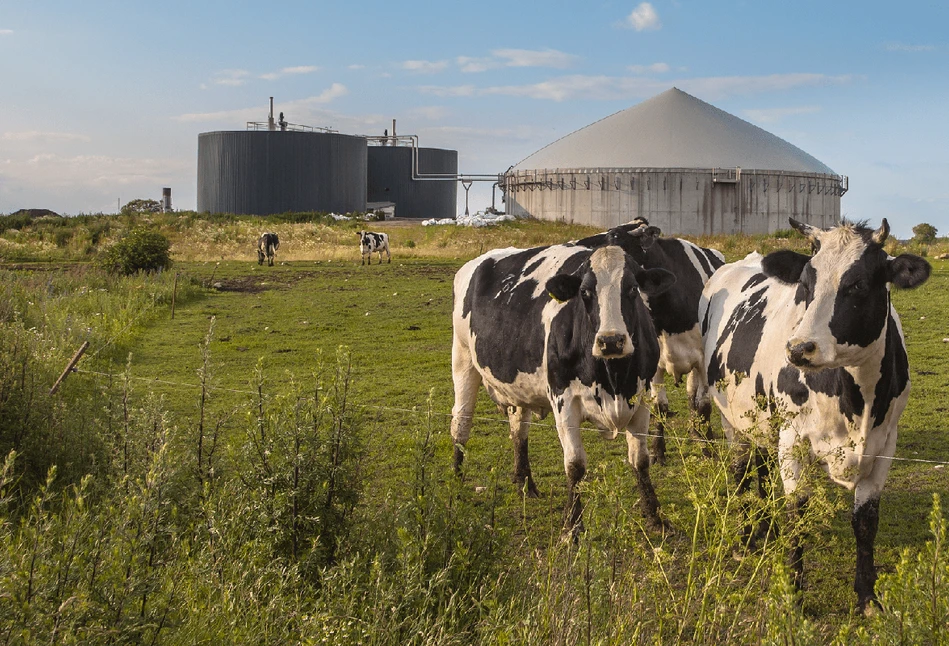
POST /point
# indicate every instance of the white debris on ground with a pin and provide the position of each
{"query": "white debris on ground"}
(478, 219)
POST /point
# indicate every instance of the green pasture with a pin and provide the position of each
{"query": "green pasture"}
(270, 462)
(396, 321)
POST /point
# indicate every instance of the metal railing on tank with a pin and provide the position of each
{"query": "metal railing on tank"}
(287, 127)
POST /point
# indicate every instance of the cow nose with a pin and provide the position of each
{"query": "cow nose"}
(611, 345)
(800, 354)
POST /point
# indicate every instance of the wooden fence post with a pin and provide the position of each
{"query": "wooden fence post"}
(174, 293)
(69, 367)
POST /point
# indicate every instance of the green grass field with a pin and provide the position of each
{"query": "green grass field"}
(253, 334)
(396, 320)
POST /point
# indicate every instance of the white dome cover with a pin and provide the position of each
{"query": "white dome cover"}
(673, 130)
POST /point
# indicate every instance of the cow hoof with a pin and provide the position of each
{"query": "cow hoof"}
(528, 488)
(869, 607)
(661, 526)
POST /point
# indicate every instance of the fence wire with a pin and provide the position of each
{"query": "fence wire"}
(482, 418)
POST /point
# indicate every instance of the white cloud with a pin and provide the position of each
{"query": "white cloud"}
(36, 135)
(718, 87)
(469, 64)
(516, 58)
(900, 47)
(430, 113)
(457, 90)
(655, 68)
(643, 17)
(608, 88)
(301, 106)
(232, 78)
(773, 115)
(424, 67)
(5, 32)
(58, 171)
(289, 71)
(532, 58)
(356, 67)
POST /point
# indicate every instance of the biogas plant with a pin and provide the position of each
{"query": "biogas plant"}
(687, 166)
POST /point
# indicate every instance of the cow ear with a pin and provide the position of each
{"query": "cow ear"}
(563, 287)
(653, 282)
(785, 265)
(907, 271)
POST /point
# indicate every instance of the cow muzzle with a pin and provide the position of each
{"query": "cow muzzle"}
(801, 353)
(612, 345)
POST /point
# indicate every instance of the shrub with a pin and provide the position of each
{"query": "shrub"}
(924, 233)
(141, 206)
(140, 250)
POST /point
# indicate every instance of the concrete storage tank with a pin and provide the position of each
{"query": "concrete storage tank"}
(390, 179)
(687, 166)
(263, 172)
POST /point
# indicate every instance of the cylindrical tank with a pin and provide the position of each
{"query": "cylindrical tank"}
(687, 166)
(390, 180)
(166, 199)
(262, 172)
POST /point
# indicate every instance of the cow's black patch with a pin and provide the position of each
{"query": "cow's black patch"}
(789, 383)
(862, 301)
(533, 266)
(754, 281)
(505, 317)
(676, 310)
(759, 386)
(785, 265)
(894, 373)
(745, 326)
(840, 385)
(716, 370)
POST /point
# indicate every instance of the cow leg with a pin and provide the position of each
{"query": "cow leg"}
(865, 520)
(750, 464)
(658, 390)
(701, 406)
(574, 462)
(638, 455)
(466, 380)
(790, 477)
(388, 256)
(519, 418)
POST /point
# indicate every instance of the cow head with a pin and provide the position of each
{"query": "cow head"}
(845, 289)
(608, 284)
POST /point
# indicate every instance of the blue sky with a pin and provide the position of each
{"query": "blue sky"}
(102, 101)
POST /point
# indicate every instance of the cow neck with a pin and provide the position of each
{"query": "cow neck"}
(867, 374)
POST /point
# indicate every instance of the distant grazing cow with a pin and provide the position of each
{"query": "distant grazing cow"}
(816, 341)
(674, 314)
(559, 328)
(370, 243)
(267, 245)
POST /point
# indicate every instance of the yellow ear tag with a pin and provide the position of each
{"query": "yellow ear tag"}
(555, 298)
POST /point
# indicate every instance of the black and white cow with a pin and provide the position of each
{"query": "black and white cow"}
(674, 314)
(817, 338)
(559, 328)
(267, 245)
(370, 243)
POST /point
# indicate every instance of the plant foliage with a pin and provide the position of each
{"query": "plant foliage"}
(140, 250)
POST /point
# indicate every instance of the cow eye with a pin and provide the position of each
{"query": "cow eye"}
(586, 293)
(858, 287)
